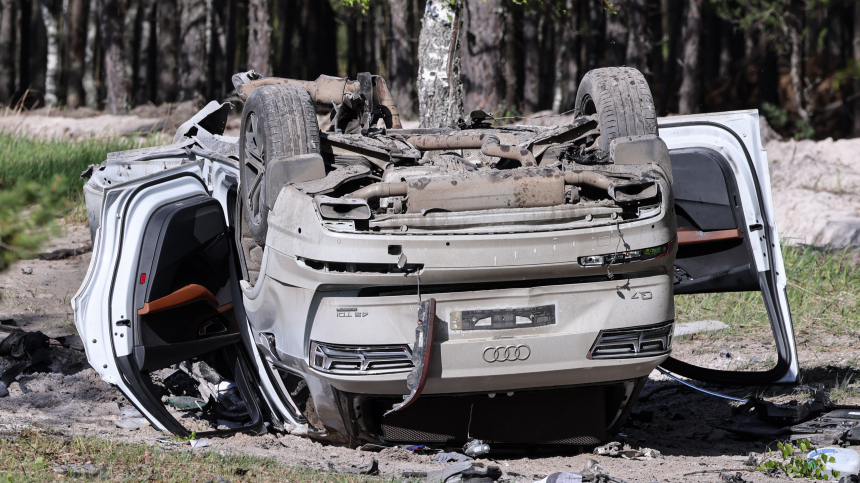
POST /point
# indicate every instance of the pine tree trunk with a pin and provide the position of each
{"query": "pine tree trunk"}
(794, 72)
(558, 72)
(401, 66)
(856, 64)
(616, 34)
(192, 50)
(168, 51)
(90, 84)
(8, 21)
(259, 37)
(110, 22)
(78, 13)
(531, 60)
(688, 102)
(638, 40)
(482, 55)
(571, 61)
(440, 92)
(511, 61)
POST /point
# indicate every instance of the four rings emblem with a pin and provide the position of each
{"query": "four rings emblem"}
(507, 353)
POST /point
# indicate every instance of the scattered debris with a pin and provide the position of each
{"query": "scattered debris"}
(449, 457)
(370, 468)
(87, 470)
(476, 447)
(12, 323)
(63, 253)
(27, 271)
(562, 478)
(626, 451)
(199, 443)
(735, 478)
(466, 471)
(725, 354)
(752, 460)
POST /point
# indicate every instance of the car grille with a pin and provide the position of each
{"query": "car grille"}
(637, 342)
(343, 359)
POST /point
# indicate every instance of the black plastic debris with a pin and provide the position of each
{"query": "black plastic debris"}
(817, 419)
(63, 253)
(12, 323)
(31, 349)
(458, 472)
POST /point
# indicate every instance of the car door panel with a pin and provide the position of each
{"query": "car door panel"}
(728, 239)
(160, 291)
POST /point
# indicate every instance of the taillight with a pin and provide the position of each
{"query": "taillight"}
(625, 256)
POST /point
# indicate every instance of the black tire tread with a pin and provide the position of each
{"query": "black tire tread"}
(286, 115)
(623, 100)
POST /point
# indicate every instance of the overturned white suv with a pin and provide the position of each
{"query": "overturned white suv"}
(373, 284)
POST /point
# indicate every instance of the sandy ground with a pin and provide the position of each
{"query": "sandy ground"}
(73, 400)
(816, 190)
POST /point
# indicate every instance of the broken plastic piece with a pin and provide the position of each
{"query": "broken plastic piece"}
(420, 354)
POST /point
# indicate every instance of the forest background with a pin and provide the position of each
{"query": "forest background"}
(795, 60)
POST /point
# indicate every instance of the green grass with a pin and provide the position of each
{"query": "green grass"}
(25, 159)
(33, 456)
(823, 293)
(39, 182)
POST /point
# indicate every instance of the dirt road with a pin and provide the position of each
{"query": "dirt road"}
(72, 399)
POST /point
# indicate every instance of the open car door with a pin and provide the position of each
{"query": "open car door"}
(727, 236)
(159, 297)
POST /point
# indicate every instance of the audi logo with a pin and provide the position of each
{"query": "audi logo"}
(507, 353)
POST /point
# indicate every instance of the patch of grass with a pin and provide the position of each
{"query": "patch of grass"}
(25, 159)
(823, 293)
(39, 182)
(28, 455)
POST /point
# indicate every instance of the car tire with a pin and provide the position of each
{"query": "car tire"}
(278, 121)
(621, 100)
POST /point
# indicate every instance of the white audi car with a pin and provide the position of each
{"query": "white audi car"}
(373, 284)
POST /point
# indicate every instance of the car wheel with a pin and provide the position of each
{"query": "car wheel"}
(278, 121)
(621, 100)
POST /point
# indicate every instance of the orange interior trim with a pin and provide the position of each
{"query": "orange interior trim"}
(184, 296)
(691, 236)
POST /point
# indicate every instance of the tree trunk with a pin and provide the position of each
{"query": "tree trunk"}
(616, 34)
(571, 62)
(259, 37)
(560, 32)
(638, 40)
(89, 77)
(168, 51)
(440, 92)
(511, 61)
(8, 21)
(53, 57)
(110, 21)
(796, 84)
(78, 13)
(482, 55)
(531, 60)
(192, 50)
(856, 65)
(401, 66)
(688, 102)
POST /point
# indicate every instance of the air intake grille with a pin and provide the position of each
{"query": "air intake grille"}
(638, 342)
(569, 416)
(342, 359)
